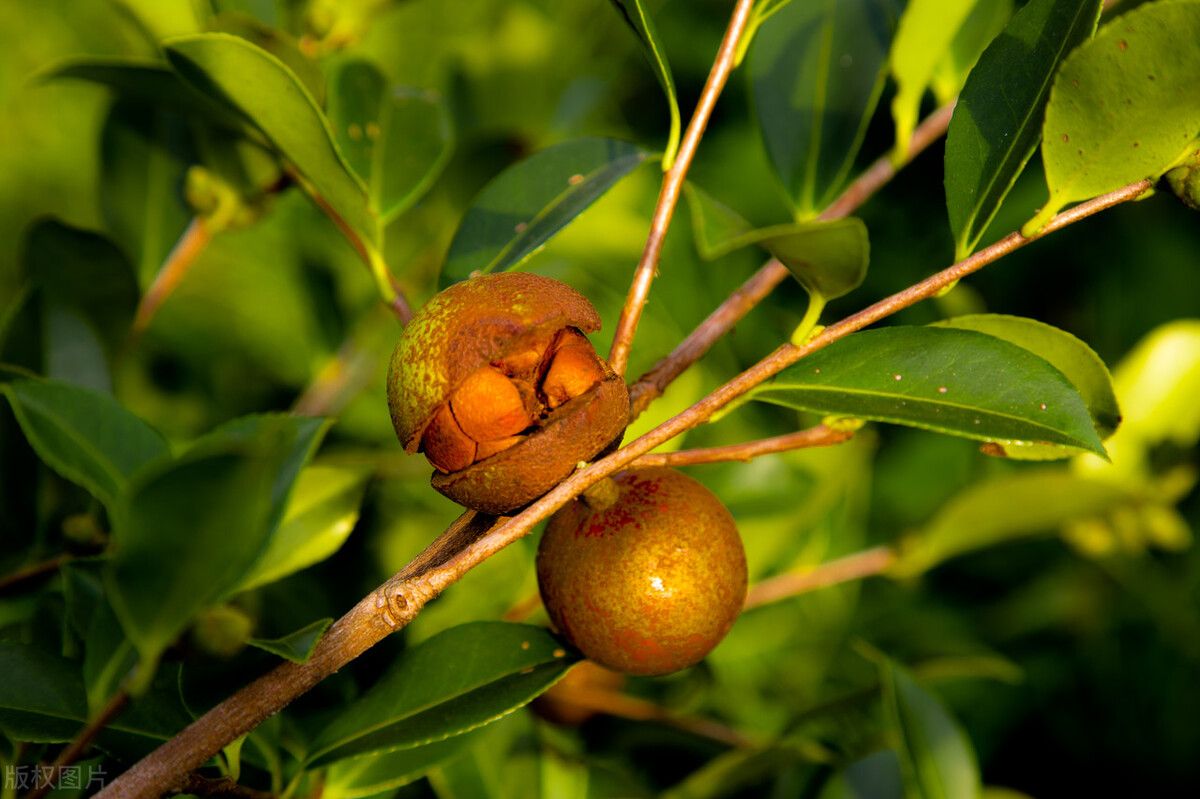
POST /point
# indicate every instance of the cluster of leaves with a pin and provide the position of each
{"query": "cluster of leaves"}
(253, 152)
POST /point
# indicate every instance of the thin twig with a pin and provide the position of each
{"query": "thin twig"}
(668, 196)
(80, 743)
(852, 567)
(194, 240)
(36, 570)
(651, 385)
(819, 436)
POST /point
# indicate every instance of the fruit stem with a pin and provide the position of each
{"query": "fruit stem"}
(602, 494)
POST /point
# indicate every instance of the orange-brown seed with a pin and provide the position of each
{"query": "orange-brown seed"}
(446, 446)
(488, 406)
(487, 449)
(573, 370)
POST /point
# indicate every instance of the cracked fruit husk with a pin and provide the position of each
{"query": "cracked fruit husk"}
(495, 381)
(650, 584)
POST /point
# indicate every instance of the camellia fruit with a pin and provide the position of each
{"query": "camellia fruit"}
(495, 381)
(650, 583)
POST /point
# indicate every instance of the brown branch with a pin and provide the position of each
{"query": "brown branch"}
(80, 743)
(473, 538)
(668, 196)
(194, 240)
(852, 567)
(651, 385)
(36, 570)
(819, 436)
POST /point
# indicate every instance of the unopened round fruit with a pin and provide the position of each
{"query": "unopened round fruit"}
(495, 381)
(651, 583)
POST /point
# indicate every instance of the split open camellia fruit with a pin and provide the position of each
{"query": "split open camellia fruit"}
(496, 382)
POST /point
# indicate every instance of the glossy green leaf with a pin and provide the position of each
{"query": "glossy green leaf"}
(83, 272)
(396, 138)
(41, 695)
(935, 755)
(269, 95)
(295, 646)
(83, 435)
(951, 381)
(1003, 509)
(373, 774)
(522, 208)
(980, 27)
(639, 21)
(925, 36)
(186, 534)
(1075, 359)
(828, 258)
(989, 142)
(290, 440)
(1123, 106)
(320, 516)
(146, 81)
(276, 42)
(817, 71)
(456, 681)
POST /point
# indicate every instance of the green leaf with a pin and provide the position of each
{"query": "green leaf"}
(386, 771)
(297, 646)
(144, 155)
(876, 776)
(1124, 105)
(41, 696)
(981, 26)
(83, 272)
(504, 761)
(817, 71)
(268, 94)
(83, 435)
(456, 681)
(528, 203)
(951, 381)
(635, 16)
(1159, 381)
(1075, 359)
(108, 656)
(828, 258)
(989, 142)
(276, 42)
(396, 138)
(146, 81)
(926, 33)
(186, 534)
(292, 440)
(320, 516)
(1003, 509)
(935, 755)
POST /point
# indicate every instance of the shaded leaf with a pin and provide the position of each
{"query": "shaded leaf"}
(396, 138)
(83, 272)
(522, 208)
(989, 142)
(320, 516)
(83, 435)
(924, 38)
(456, 681)
(1123, 106)
(269, 95)
(951, 381)
(935, 755)
(1075, 359)
(187, 533)
(108, 656)
(383, 771)
(144, 155)
(817, 71)
(828, 258)
(639, 21)
(41, 695)
(876, 776)
(297, 646)
(506, 760)
(1003, 509)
